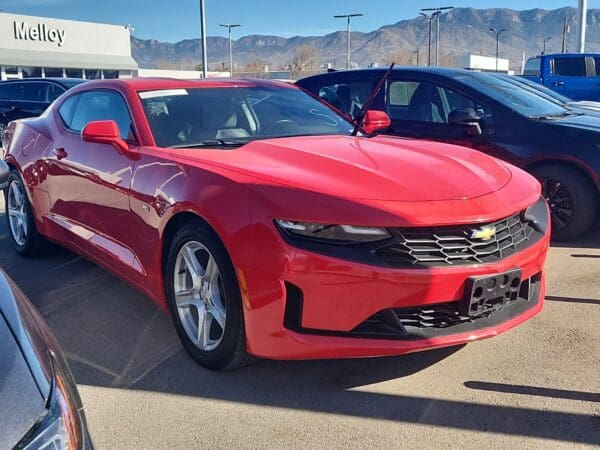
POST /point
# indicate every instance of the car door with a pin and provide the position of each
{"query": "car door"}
(568, 75)
(421, 109)
(89, 183)
(29, 99)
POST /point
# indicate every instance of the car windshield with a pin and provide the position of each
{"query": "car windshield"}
(233, 116)
(536, 87)
(523, 101)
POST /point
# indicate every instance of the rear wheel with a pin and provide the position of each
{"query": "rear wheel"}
(573, 200)
(204, 299)
(19, 217)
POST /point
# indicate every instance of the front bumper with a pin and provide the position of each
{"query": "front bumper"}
(338, 296)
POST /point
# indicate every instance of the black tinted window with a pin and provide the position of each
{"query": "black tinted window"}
(101, 105)
(348, 96)
(6, 91)
(31, 92)
(53, 91)
(417, 101)
(573, 67)
(66, 110)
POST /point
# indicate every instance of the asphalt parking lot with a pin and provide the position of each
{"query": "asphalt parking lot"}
(537, 386)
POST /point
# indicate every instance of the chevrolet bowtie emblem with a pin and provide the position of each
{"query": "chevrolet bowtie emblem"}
(484, 233)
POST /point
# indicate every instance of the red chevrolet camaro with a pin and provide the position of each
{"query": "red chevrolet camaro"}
(251, 212)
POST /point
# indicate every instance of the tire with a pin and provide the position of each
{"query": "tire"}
(566, 188)
(25, 238)
(208, 294)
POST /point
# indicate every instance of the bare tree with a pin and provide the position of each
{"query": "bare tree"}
(304, 59)
(255, 68)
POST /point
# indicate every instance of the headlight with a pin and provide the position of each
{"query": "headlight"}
(537, 215)
(61, 428)
(333, 234)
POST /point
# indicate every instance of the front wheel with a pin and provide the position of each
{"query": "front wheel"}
(572, 198)
(204, 299)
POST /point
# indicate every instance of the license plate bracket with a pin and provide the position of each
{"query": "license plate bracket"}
(487, 293)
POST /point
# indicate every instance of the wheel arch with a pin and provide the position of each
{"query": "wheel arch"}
(587, 174)
(173, 224)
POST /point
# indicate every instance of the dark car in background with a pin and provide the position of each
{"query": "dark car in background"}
(576, 75)
(29, 97)
(556, 144)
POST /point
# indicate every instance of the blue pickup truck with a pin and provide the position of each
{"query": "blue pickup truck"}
(575, 75)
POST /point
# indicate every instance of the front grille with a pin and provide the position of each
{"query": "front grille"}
(454, 245)
(441, 319)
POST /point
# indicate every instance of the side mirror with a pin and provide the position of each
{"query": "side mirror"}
(4, 174)
(466, 117)
(104, 132)
(374, 121)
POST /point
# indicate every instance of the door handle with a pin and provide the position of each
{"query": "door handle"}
(559, 83)
(60, 153)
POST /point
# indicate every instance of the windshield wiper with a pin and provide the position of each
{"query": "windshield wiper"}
(555, 116)
(212, 143)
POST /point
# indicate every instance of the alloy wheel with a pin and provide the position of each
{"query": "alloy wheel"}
(560, 201)
(17, 213)
(199, 296)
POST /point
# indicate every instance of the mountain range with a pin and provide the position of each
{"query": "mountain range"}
(463, 31)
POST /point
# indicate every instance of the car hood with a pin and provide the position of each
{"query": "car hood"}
(583, 121)
(379, 168)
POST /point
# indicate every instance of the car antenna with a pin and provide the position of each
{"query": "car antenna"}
(367, 104)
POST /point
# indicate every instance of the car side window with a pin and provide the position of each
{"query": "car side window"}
(348, 96)
(102, 105)
(6, 91)
(66, 110)
(53, 91)
(571, 67)
(29, 92)
(421, 101)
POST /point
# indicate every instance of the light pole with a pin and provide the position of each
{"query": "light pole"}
(347, 16)
(430, 18)
(416, 52)
(203, 38)
(229, 27)
(498, 33)
(437, 12)
(544, 44)
(581, 19)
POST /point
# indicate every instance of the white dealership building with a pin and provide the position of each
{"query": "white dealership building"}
(42, 47)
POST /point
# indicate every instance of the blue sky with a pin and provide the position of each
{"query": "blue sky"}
(173, 20)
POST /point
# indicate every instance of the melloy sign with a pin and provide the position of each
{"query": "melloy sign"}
(40, 32)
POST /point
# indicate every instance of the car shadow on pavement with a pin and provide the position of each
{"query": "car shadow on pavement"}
(115, 337)
(533, 390)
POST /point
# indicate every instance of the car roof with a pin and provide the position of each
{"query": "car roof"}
(144, 84)
(567, 55)
(443, 71)
(65, 82)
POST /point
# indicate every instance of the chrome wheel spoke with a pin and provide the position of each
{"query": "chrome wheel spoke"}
(186, 298)
(218, 313)
(193, 265)
(212, 271)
